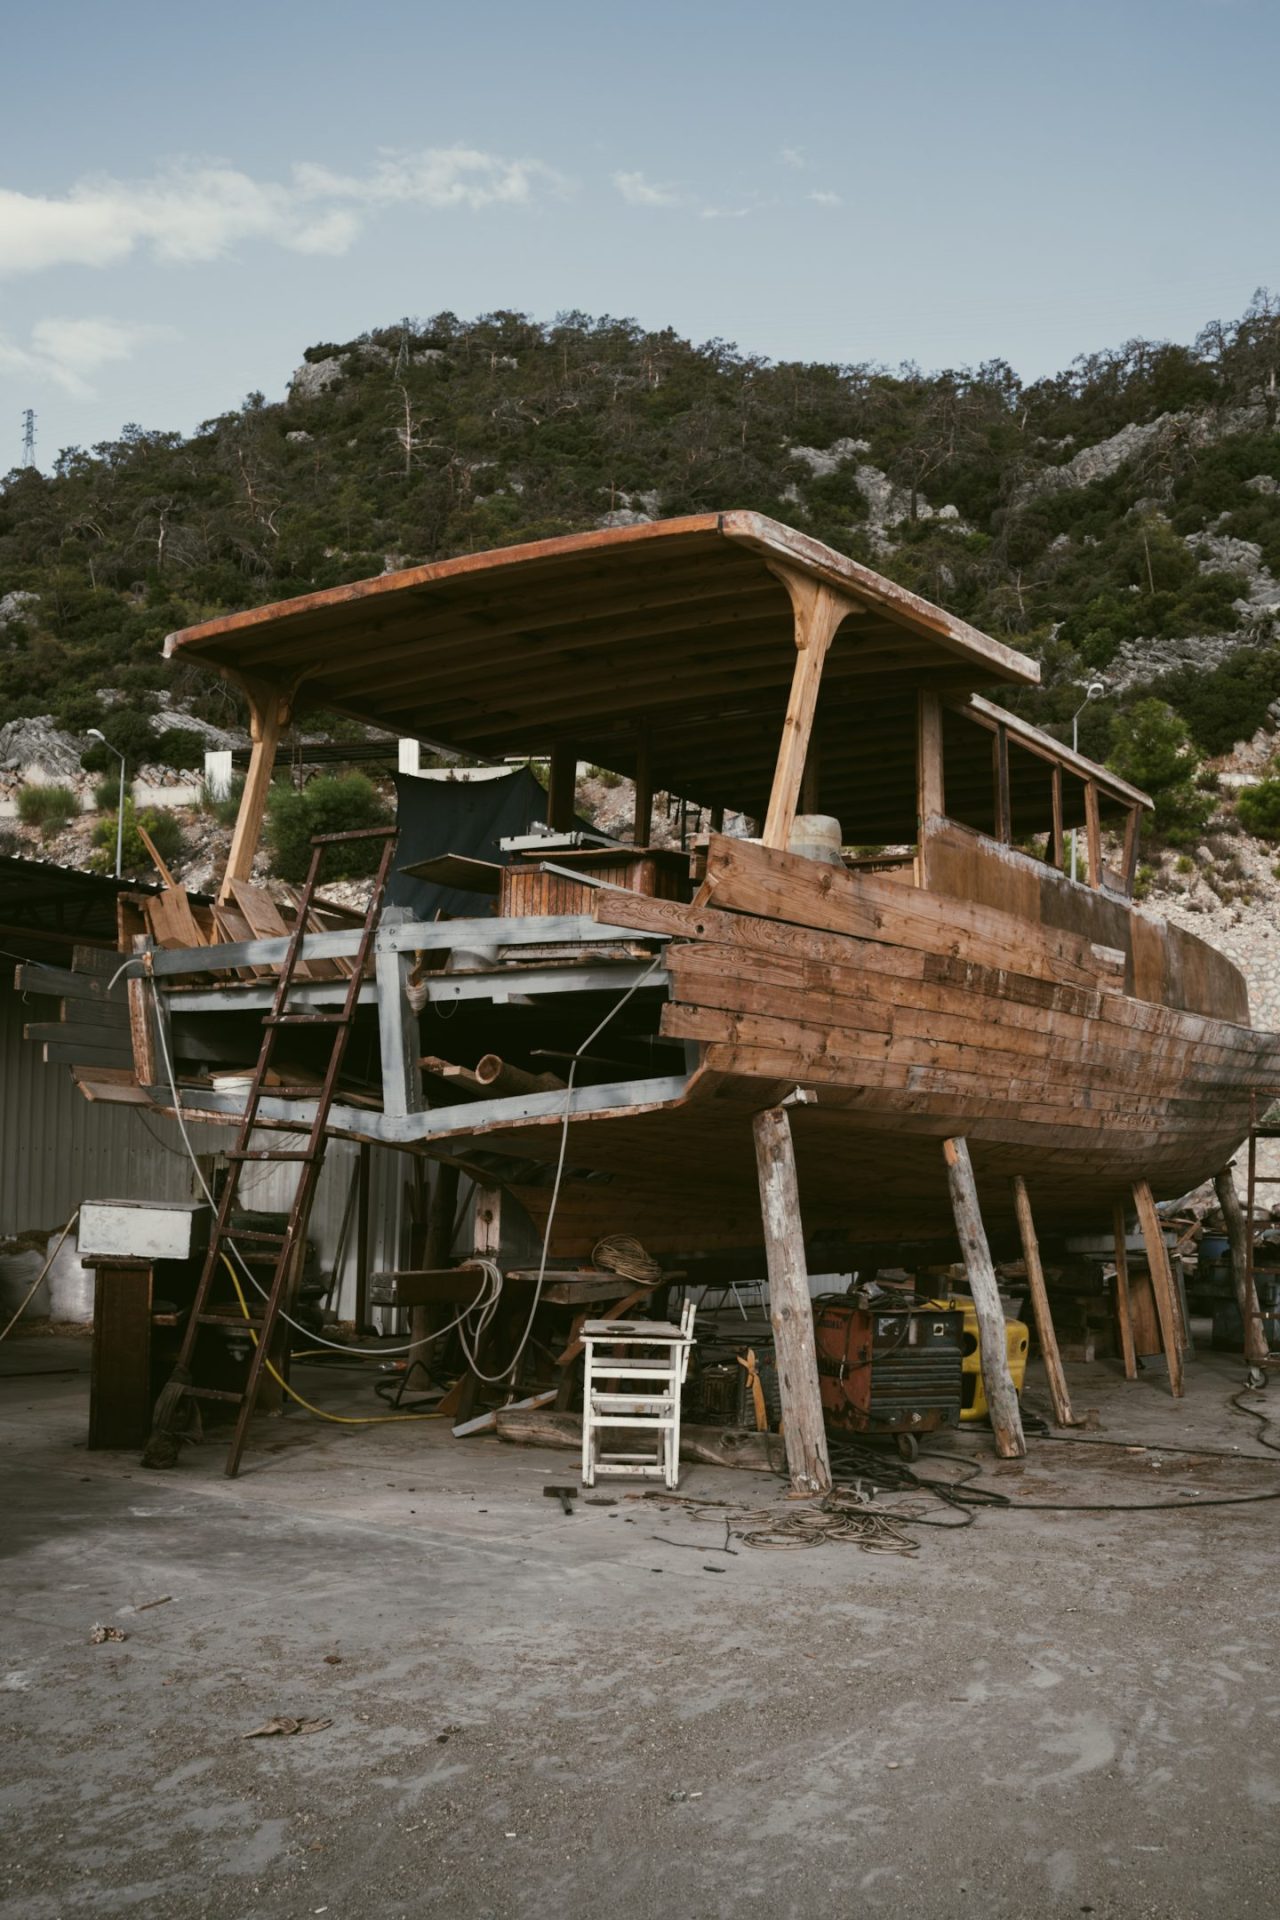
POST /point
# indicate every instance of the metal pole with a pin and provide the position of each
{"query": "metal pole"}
(120, 826)
(1075, 748)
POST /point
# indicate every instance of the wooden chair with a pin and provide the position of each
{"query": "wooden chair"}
(653, 1357)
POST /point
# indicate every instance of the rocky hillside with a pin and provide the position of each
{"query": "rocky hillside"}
(1121, 520)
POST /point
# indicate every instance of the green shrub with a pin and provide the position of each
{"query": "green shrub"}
(1259, 809)
(225, 811)
(165, 833)
(1151, 747)
(179, 747)
(49, 808)
(129, 733)
(106, 793)
(329, 805)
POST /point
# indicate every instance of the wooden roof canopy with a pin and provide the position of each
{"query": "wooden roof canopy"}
(679, 631)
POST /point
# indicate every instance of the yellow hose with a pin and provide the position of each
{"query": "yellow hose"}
(341, 1419)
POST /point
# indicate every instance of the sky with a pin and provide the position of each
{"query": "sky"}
(191, 195)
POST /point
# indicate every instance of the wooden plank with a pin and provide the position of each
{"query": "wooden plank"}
(1256, 1346)
(1057, 854)
(1048, 1338)
(1129, 860)
(1124, 1309)
(1093, 833)
(790, 1307)
(642, 823)
(562, 777)
(1003, 799)
(818, 612)
(1162, 1284)
(997, 1381)
(931, 792)
(120, 1362)
(172, 922)
(153, 855)
(269, 709)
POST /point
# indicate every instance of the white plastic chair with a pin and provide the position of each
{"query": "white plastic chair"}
(654, 1356)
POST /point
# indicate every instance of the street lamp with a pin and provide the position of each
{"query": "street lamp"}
(1094, 691)
(95, 735)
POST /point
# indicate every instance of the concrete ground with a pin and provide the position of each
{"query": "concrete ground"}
(1044, 1713)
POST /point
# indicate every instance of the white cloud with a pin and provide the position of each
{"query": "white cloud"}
(638, 191)
(723, 213)
(197, 211)
(823, 198)
(792, 157)
(66, 352)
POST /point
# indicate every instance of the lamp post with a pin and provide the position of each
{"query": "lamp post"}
(1094, 691)
(95, 735)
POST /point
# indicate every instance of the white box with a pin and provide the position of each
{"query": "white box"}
(144, 1229)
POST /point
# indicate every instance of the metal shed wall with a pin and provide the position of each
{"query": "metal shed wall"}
(57, 1149)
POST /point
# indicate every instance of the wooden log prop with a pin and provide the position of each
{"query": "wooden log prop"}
(703, 1446)
(790, 1307)
(1256, 1346)
(997, 1381)
(1161, 1284)
(1045, 1331)
(1124, 1308)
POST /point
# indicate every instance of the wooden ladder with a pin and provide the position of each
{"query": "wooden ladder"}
(288, 1246)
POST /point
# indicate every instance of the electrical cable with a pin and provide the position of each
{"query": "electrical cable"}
(32, 1289)
(339, 1419)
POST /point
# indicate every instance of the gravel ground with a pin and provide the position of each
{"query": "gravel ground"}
(530, 1715)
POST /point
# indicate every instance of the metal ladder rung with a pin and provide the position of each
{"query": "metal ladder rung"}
(273, 1153)
(305, 1020)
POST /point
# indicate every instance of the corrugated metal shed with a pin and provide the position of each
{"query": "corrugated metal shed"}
(57, 1149)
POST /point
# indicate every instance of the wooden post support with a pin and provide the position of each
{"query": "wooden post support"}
(790, 1307)
(1093, 833)
(1004, 798)
(1123, 1312)
(269, 709)
(1256, 1345)
(363, 1169)
(997, 1381)
(1129, 863)
(1057, 853)
(1161, 1284)
(436, 1253)
(562, 779)
(931, 793)
(643, 827)
(1057, 1380)
(818, 612)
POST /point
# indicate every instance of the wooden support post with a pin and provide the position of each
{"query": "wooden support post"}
(1124, 1313)
(717, 819)
(811, 777)
(399, 1039)
(643, 827)
(562, 780)
(269, 709)
(1057, 853)
(1129, 863)
(931, 793)
(363, 1168)
(436, 1254)
(818, 612)
(997, 1381)
(1093, 833)
(790, 1307)
(1054, 1374)
(1167, 1307)
(1004, 798)
(1256, 1345)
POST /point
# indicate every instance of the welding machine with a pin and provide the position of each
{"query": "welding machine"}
(889, 1368)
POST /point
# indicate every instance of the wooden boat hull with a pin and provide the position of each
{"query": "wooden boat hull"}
(908, 1015)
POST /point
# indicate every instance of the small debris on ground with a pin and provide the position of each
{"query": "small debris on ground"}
(100, 1633)
(147, 1605)
(284, 1723)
